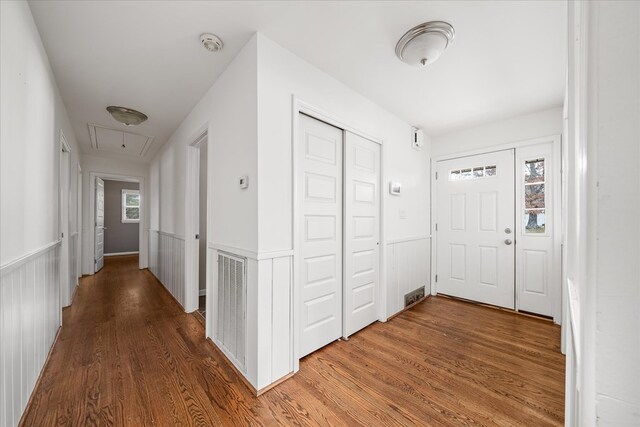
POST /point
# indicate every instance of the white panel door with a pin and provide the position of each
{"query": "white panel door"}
(320, 192)
(475, 221)
(99, 249)
(537, 278)
(361, 232)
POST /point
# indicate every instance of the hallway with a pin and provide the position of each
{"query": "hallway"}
(128, 355)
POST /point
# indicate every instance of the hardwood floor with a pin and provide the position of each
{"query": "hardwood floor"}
(128, 355)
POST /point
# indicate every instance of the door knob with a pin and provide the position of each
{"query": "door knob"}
(507, 241)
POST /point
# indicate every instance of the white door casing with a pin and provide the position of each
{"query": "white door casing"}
(63, 219)
(361, 232)
(536, 269)
(320, 195)
(475, 208)
(99, 227)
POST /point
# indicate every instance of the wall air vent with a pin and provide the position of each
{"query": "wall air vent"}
(232, 302)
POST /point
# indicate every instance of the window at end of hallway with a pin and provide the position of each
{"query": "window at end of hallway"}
(130, 206)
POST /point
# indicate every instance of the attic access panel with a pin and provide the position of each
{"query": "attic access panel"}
(119, 141)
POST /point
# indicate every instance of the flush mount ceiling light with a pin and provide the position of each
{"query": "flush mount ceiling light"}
(211, 42)
(126, 115)
(424, 43)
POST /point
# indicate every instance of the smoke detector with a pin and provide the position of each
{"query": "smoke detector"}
(211, 42)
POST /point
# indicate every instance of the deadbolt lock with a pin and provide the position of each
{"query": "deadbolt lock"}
(507, 230)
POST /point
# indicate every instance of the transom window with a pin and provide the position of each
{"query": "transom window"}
(130, 206)
(473, 173)
(534, 200)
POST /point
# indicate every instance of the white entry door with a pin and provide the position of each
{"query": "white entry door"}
(99, 238)
(320, 193)
(475, 221)
(362, 232)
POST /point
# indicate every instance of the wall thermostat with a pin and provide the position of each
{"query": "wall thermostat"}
(395, 188)
(244, 181)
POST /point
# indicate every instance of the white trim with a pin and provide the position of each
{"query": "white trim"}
(274, 254)
(192, 217)
(408, 239)
(168, 234)
(121, 253)
(300, 106)
(144, 249)
(9, 266)
(233, 250)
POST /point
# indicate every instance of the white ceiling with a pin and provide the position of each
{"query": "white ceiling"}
(508, 58)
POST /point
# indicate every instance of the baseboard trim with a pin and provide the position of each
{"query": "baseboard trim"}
(123, 253)
(275, 383)
(244, 380)
(424, 298)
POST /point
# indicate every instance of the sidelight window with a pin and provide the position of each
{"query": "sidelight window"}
(534, 196)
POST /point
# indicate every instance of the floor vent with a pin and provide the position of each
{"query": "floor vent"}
(232, 302)
(413, 296)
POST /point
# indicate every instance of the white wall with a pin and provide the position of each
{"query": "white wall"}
(603, 245)
(228, 112)
(530, 126)
(32, 115)
(102, 165)
(614, 130)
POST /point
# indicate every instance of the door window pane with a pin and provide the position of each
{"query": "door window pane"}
(534, 171)
(472, 173)
(534, 221)
(534, 196)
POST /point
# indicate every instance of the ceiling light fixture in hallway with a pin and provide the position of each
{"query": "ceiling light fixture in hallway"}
(127, 116)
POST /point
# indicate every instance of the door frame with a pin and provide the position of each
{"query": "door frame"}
(64, 197)
(142, 247)
(192, 198)
(300, 106)
(556, 140)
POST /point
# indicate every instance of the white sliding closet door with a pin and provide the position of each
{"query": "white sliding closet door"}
(362, 232)
(320, 193)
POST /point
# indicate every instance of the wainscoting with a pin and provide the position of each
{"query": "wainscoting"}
(30, 315)
(275, 323)
(167, 262)
(408, 268)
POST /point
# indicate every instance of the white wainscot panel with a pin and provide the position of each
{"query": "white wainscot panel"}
(30, 314)
(167, 262)
(408, 268)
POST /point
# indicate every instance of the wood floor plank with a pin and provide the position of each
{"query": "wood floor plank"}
(128, 355)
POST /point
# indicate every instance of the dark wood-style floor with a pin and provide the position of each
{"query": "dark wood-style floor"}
(128, 355)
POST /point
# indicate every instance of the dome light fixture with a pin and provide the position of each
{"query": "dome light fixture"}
(424, 43)
(211, 42)
(126, 115)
